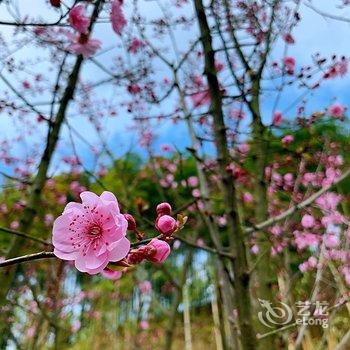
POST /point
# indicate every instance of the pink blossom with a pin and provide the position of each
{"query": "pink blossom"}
(304, 240)
(237, 114)
(117, 17)
(196, 193)
(328, 201)
(166, 225)
(303, 267)
(255, 249)
(288, 38)
(14, 225)
(111, 274)
(243, 148)
(31, 332)
(91, 233)
(289, 63)
(3, 208)
(78, 19)
(49, 219)
(343, 66)
(144, 325)
(145, 287)
(76, 325)
(277, 118)
(312, 261)
(308, 221)
(288, 139)
(135, 45)
(247, 197)
(200, 98)
(336, 110)
(331, 240)
(192, 181)
(162, 250)
(200, 242)
(26, 85)
(346, 273)
(222, 221)
(276, 230)
(334, 218)
(166, 148)
(82, 45)
(288, 179)
(219, 66)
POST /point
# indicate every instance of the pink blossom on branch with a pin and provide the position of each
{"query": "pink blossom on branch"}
(156, 251)
(117, 17)
(289, 63)
(78, 19)
(135, 45)
(336, 110)
(288, 139)
(91, 233)
(288, 38)
(162, 250)
(277, 118)
(83, 45)
(308, 221)
(166, 225)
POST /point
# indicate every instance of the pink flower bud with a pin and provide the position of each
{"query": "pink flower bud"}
(163, 209)
(55, 3)
(162, 250)
(166, 225)
(131, 222)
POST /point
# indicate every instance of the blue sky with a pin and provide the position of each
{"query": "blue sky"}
(314, 34)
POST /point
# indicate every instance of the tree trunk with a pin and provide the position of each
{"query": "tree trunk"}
(265, 274)
(235, 230)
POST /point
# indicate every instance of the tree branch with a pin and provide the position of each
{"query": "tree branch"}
(297, 207)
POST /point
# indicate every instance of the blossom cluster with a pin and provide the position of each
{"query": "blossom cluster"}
(82, 44)
(93, 235)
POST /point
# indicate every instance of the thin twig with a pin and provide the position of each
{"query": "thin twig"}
(21, 234)
(28, 257)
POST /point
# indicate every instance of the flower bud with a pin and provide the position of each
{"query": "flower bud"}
(131, 222)
(166, 225)
(55, 3)
(162, 250)
(163, 209)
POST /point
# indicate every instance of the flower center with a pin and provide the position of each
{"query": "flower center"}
(95, 230)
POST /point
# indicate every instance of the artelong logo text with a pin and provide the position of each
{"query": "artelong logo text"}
(306, 313)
